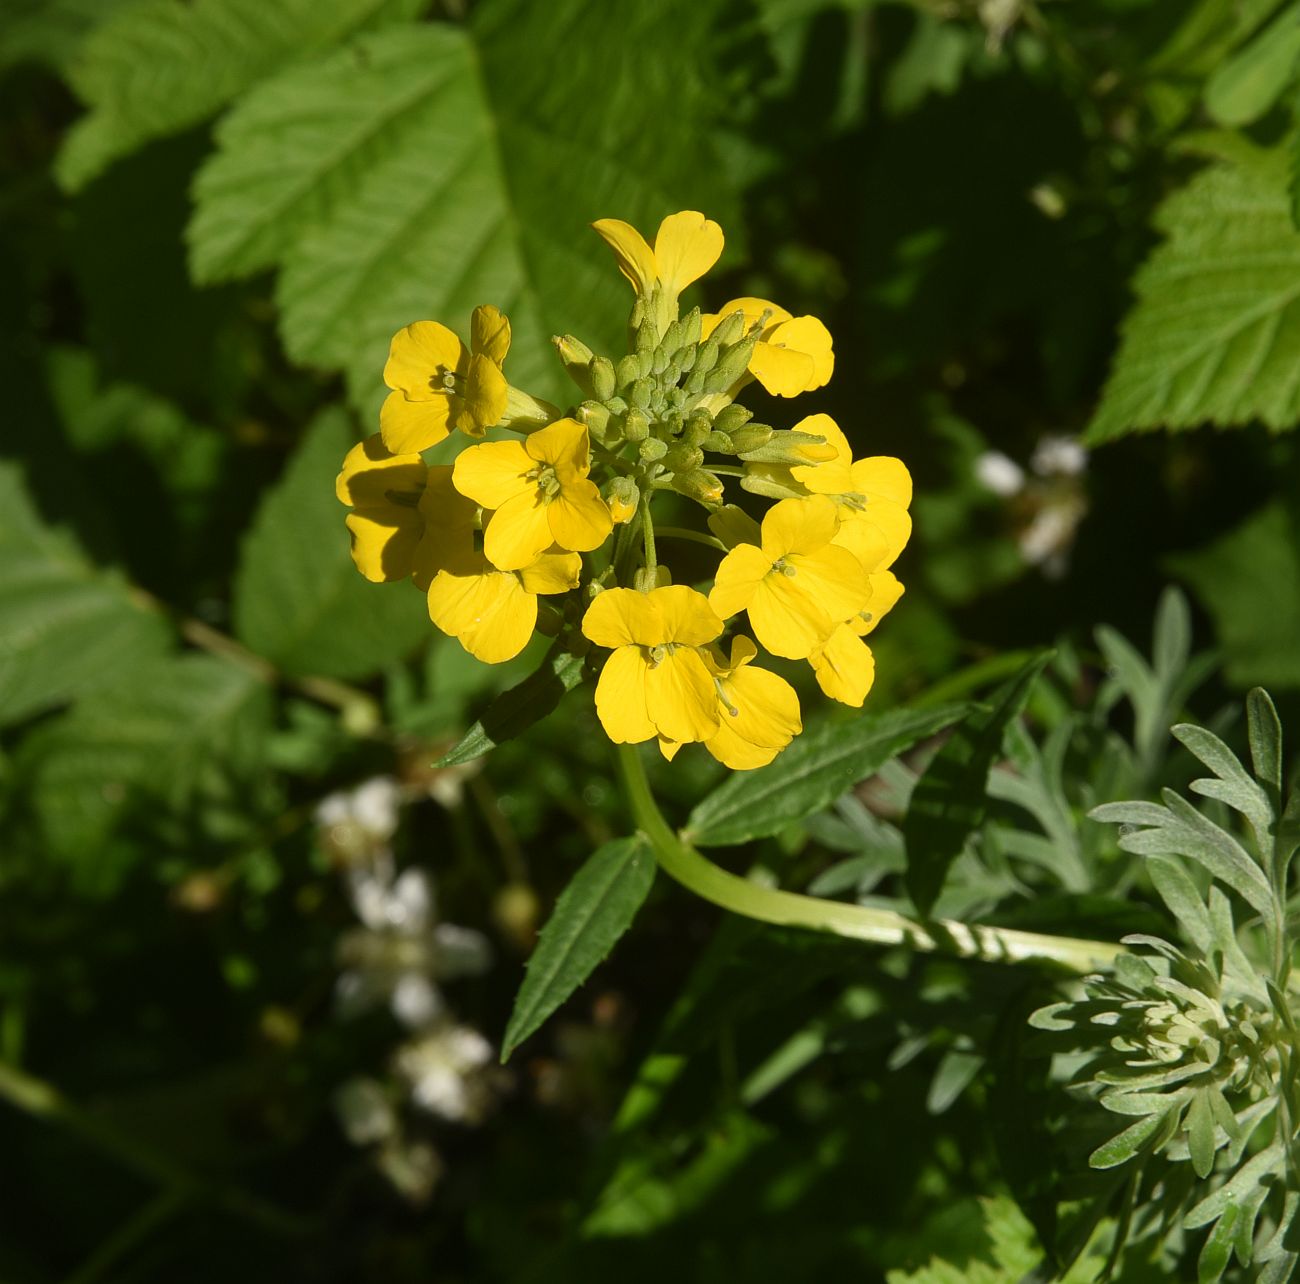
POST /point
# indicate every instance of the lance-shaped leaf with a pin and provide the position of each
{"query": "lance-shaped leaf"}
(591, 914)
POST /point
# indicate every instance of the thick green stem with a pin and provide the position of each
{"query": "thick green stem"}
(882, 927)
(696, 537)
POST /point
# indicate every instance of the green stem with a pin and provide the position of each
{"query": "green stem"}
(697, 537)
(857, 922)
(648, 531)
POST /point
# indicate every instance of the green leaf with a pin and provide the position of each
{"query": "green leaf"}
(596, 908)
(1184, 900)
(1214, 336)
(950, 799)
(1200, 1134)
(69, 626)
(514, 711)
(1246, 85)
(811, 774)
(51, 31)
(1124, 1145)
(159, 66)
(413, 175)
(1233, 785)
(188, 732)
(1265, 729)
(299, 601)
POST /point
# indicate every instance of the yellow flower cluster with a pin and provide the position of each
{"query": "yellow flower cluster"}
(564, 509)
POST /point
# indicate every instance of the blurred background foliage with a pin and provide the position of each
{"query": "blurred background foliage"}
(1056, 246)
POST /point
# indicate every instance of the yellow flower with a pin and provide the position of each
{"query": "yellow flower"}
(793, 354)
(493, 613)
(871, 496)
(798, 585)
(539, 491)
(406, 517)
(758, 712)
(686, 247)
(437, 382)
(844, 666)
(656, 682)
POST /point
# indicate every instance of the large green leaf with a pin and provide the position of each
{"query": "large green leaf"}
(157, 67)
(69, 626)
(1214, 336)
(428, 169)
(187, 732)
(299, 601)
(813, 772)
(594, 910)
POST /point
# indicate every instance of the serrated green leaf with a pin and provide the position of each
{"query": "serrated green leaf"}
(299, 601)
(1234, 784)
(413, 175)
(949, 801)
(69, 626)
(1214, 336)
(596, 908)
(811, 774)
(514, 711)
(159, 66)
(51, 31)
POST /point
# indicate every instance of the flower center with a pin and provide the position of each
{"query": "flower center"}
(548, 484)
(658, 654)
(725, 699)
(784, 567)
(443, 380)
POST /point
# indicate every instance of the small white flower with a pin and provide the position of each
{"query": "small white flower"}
(360, 822)
(1047, 540)
(445, 1071)
(999, 473)
(365, 1112)
(1059, 457)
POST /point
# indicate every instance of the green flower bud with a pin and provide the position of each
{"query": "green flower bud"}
(645, 338)
(640, 392)
(603, 379)
(676, 398)
(615, 405)
(653, 449)
(683, 458)
(622, 495)
(731, 417)
(731, 366)
(697, 429)
(732, 525)
(636, 427)
(719, 443)
(749, 436)
(790, 447)
(628, 370)
(729, 329)
(700, 485)
(576, 357)
(671, 423)
(595, 416)
(691, 322)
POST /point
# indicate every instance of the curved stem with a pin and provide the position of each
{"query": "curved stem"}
(858, 922)
(696, 537)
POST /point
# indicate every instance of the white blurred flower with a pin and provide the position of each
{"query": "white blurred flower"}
(401, 951)
(447, 1069)
(1059, 457)
(360, 822)
(999, 473)
(1047, 540)
(414, 1168)
(365, 1112)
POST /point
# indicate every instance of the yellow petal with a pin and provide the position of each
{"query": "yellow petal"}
(686, 247)
(883, 477)
(443, 506)
(680, 696)
(810, 336)
(408, 427)
(730, 750)
(865, 540)
(418, 357)
(579, 518)
(687, 617)
(488, 610)
(493, 473)
(623, 617)
(517, 534)
(798, 526)
(782, 371)
(621, 693)
(845, 667)
(370, 472)
(563, 445)
(489, 333)
(552, 573)
(785, 620)
(732, 525)
(743, 651)
(737, 580)
(669, 748)
(636, 260)
(833, 578)
(894, 524)
(384, 542)
(885, 592)
(754, 310)
(483, 400)
(767, 708)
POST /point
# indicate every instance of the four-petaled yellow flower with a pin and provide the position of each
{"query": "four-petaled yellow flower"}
(491, 612)
(686, 247)
(438, 383)
(406, 518)
(792, 355)
(758, 712)
(798, 585)
(540, 494)
(656, 682)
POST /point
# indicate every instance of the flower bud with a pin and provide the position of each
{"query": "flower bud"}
(749, 436)
(636, 427)
(731, 366)
(729, 329)
(699, 424)
(576, 357)
(773, 480)
(731, 417)
(646, 581)
(639, 394)
(791, 447)
(653, 449)
(622, 496)
(732, 525)
(700, 485)
(595, 416)
(719, 443)
(645, 338)
(604, 382)
(628, 370)
(549, 620)
(683, 458)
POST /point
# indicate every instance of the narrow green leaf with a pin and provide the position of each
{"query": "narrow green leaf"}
(812, 773)
(1184, 900)
(1265, 730)
(1200, 1134)
(514, 711)
(1172, 636)
(1246, 85)
(591, 914)
(1235, 785)
(1269, 1162)
(1123, 1146)
(952, 1077)
(1217, 1250)
(299, 600)
(949, 801)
